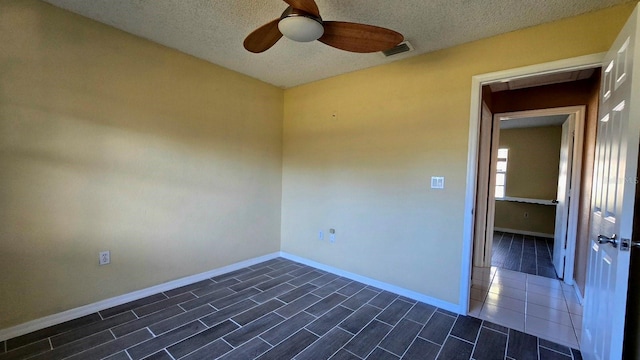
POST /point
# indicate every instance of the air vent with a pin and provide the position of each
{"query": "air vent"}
(403, 47)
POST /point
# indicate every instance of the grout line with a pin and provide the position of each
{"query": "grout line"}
(234, 347)
(427, 340)
(383, 349)
(414, 339)
(465, 340)
(446, 337)
(556, 351)
(506, 346)
(152, 333)
(351, 353)
(473, 350)
(168, 353)
(494, 330)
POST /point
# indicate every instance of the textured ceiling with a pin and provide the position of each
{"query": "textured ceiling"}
(214, 30)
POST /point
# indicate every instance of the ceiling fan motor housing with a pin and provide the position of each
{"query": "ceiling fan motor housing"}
(300, 26)
(301, 22)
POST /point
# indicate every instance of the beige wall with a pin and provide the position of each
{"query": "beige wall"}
(532, 172)
(366, 172)
(534, 158)
(111, 142)
(510, 216)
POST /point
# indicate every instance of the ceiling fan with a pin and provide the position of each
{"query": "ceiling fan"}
(301, 22)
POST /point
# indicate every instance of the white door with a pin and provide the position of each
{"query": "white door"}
(564, 196)
(614, 182)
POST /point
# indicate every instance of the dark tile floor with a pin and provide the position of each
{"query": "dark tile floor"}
(523, 253)
(279, 309)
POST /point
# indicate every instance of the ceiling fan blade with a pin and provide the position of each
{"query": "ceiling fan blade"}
(359, 38)
(308, 6)
(263, 37)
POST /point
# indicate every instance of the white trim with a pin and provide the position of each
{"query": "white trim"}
(527, 200)
(71, 314)
(563, 110)
(470, 194)
(578, 294)
(372, 282)
(477, 81)
(524, 232)
(482, 225)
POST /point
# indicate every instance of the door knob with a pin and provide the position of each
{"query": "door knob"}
(613, 240)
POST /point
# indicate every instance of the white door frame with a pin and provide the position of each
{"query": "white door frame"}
(477, 81)
(485, 193)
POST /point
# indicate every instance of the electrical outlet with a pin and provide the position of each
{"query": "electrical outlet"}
(104, 257)
(332, 235)
(320, 235)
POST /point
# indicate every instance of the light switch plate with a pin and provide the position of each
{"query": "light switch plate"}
(437, 182)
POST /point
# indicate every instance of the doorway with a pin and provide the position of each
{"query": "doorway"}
(549, 309)
(538, 165)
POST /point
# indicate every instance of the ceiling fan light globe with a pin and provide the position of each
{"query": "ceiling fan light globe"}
(300, 28)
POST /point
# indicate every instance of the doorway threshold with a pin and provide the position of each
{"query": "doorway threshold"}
(535, 305)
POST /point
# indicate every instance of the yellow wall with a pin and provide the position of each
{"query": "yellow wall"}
(534, 158)
(366, 172)
(532, 172)
(111, 142)
(510, 216)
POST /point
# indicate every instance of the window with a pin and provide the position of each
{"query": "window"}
(501, 172)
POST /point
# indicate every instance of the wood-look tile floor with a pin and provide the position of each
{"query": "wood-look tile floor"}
(279, 309)
(528, 254)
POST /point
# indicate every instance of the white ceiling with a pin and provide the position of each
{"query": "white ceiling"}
(214, 30)
(535, 121)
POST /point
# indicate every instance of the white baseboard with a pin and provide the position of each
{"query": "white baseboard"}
(379, 284)
(71, 314)
(75, 313)
(524, 232)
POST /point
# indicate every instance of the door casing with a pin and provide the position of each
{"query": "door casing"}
(579, 113)
(572, 64)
